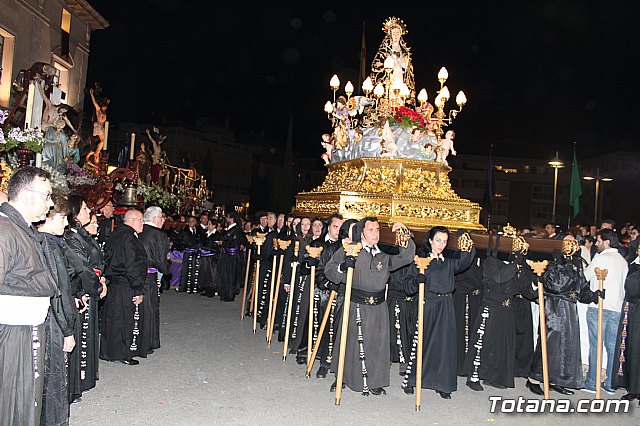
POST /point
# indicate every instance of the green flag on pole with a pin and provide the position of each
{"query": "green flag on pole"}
(576, 190)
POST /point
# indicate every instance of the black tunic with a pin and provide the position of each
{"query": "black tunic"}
(209, 259)
(564, 284)
(191, 241)
(467, 298)
(626, 363)
(156, 245)
(439, 365)
(403, 313)
(231, 264)
(126, 269)
(87, 334)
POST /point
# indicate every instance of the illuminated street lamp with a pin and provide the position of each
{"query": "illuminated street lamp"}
(598, 179)
(556, 164)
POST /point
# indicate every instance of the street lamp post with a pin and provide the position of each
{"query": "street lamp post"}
(598, 179)
(556, 164)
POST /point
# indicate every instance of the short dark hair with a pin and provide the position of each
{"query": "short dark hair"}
(609, 222)
(75, 204)
(23, 178)
(608, 235)
(330, 218)
(61, 204)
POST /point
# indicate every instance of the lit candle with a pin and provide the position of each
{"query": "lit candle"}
(133, 146)
(106, 135)
(38, 159)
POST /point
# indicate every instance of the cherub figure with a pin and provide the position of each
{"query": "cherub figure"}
(416, 135)
(74, 150)
(446, 147)
(341, 123)
(327, 144)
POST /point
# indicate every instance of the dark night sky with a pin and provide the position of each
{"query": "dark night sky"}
(538, 75)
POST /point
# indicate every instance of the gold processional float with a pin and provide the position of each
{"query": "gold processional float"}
(387, 154)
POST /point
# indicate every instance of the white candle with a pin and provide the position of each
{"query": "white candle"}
(106, 135)
(38, 159)
(133, 146)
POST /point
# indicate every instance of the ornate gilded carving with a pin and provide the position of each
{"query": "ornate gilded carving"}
(380, 180)
(344, 177)
(367, 208)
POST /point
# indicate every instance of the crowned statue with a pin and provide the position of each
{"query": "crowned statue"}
(394, 51)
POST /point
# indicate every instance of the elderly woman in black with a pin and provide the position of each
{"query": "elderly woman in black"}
(92, 288)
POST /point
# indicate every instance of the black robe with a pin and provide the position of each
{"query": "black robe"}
(367, 345)
(300, 308)
(61, 323)
(191, 240)
(87, 334)
(209, 258)
(126, 269)
(267, 253)
(492, 351)
(439, 364)
(564, 285)
(231, 264)
(403, 313)
(156, 245)
(467, 298)
(626, 364)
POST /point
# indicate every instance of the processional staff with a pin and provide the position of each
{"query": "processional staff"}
(538, 269)
(601, 275)
(246, 277)
(313, 252)
(292, 286)
(351, 251)
(282, 245)
(271, 287)
(258, 241)
(422, 263)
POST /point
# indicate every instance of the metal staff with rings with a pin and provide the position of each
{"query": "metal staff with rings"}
(421, 263)
(601, 275)
(271, 287)
(258, 240)
(538, 269)
(294, 266)
(283, 245)
(351, 251)
(246, 277)
(313, 252)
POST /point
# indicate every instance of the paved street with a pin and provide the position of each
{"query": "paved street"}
(212, 369)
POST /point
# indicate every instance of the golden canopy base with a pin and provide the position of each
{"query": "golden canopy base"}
(415, 192)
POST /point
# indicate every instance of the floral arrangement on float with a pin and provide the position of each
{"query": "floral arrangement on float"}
(31, 139)
(156, 195)
(407, 118)
(76, 176)
(58, 179)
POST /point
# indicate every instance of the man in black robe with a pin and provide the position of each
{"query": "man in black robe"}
(231, 265)
(367, 357)
(267, 251)
(26, 287)
(156, 245)
(126, 269)
(191, 239)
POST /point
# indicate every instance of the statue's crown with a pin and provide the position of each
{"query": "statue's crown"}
(394, 22)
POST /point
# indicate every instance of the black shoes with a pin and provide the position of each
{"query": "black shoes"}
(333, 387)
(322, 372)
(129, 361)
(535, 388)
(560, 389)
(408, 390)
(476, 386)
(378, 391)
(444, 395)
(301, 360)
(630, 396)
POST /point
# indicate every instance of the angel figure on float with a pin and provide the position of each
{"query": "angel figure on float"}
(446, 147)
(394, 46)
(327, 144)
(341, 123)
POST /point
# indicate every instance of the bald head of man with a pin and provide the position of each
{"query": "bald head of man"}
(134, 219)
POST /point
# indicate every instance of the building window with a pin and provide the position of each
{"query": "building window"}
(7, 43)
(542, 192)
(540, 212)
(501, 209)
(65, 30)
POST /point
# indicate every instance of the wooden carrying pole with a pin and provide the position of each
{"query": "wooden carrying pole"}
(246, 278)
(323, 325)
(292, 287)
(538, 269)
(313, 252)
(422, 263)
(258, 240)
(283, 245)
(271, 286)
(601, 275)
(350, 250)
